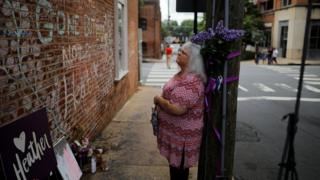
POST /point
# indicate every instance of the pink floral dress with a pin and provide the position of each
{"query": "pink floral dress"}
(182, 133)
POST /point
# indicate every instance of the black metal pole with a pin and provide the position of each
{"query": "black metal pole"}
(303, 59)
(195, 20)
(288, 153)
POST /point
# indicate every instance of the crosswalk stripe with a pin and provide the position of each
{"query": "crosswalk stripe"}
(312, 82)
(305, 75)
(161, 73)
(243, 89)
(285, 86)
(311, 88)
(273, 98)
(309, 79)
(263, 87)
(154, 84)
(160, 76)
(157, 80)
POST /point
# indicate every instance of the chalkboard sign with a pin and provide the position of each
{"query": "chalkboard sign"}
(26, 148)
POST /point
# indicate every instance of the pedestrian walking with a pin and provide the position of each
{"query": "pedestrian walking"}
(168, 56)
(257, 55)
(274, 55)
(180, 114)
(270, 50)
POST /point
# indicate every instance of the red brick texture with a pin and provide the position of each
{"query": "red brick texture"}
(152, 36)
(60, 55)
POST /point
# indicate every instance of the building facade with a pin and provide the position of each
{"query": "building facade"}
(150, 23)
(285, 22)
(71, 57)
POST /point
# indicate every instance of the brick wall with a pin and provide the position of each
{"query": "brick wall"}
(60, 55)
(152, 36)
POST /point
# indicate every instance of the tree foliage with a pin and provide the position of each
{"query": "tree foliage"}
(253, 24)
(185, 29)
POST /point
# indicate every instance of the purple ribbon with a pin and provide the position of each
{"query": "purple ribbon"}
(230, 79)
(216, 131)
(206, 103)
(233, 54)
(211, 85)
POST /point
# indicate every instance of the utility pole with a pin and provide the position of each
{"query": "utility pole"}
(169, 16)
(195, 19)
(210, 148)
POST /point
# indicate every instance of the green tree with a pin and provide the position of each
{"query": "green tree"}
(169, 26)
(202, 23)
(253, 24)
(186, 27)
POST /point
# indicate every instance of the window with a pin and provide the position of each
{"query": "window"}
(144, 47)
(315, 35)
(285, 2)
(268, 5)
(143, 24)
(121, 39)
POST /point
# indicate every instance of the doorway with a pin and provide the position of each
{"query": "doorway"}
(283, 25)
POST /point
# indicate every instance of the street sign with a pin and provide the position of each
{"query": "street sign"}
(26, 150)
(188, 5)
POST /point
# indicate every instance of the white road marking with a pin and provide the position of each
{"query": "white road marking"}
(311, 88)
(305, 75)
(164, 80)
(271, 98)
(263, 87)
(154, 84)
(243, 89)
(286, 87)
(312, 82)
(309, 79)
(160, 75)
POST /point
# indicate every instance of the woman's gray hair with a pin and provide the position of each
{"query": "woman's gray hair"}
(195, 64)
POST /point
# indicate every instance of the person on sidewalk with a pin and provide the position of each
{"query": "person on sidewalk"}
(180, 113)
(168, 55)
(257, 55)
(274, 55)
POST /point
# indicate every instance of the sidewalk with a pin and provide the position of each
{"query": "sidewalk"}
(132, 150)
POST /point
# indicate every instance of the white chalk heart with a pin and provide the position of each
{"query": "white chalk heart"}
(20, 141)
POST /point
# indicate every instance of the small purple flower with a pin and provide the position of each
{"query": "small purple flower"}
(202, 36)
(219, 32)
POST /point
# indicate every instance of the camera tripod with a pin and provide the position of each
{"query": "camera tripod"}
(288, 157)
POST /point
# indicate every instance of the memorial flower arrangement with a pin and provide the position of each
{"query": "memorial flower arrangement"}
(217, 43)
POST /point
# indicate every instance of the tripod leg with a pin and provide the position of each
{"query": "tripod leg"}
(282, 164)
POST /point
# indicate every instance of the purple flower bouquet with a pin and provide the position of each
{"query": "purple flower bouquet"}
(217, 44)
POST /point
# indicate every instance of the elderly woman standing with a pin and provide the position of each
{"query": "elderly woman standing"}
(181, 113)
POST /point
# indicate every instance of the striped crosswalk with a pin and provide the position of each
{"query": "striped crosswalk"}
(160, 74)
(311, 81)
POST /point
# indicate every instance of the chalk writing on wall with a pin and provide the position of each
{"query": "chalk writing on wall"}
(43, 68)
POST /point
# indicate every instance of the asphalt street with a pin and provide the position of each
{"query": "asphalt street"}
(266, 94)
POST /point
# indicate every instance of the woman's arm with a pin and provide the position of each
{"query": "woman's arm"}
(169, 107)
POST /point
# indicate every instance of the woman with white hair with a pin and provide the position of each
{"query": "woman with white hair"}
(180, 113)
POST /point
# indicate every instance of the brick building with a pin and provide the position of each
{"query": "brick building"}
(285, 25)
(150, 23)
(70, 57)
